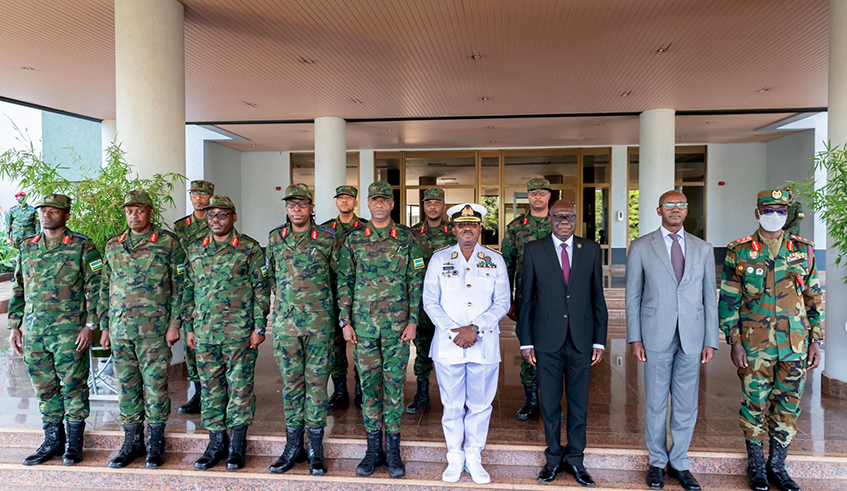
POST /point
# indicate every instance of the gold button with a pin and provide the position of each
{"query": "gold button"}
(469, 285)
(467, 269)
(469, 304)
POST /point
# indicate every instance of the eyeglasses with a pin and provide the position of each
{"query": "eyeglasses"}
(463, 225)
(198, 193)
(538, 192)
(771, 211)
(379, 201)
(297, 204)
(558, 217)
(221, 215)
(679, 206)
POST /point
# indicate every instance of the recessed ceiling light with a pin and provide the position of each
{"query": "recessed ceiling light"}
(664, 49)
(627, 93)
(254, 144)
(682, 138)
(601, 124)
(490, 127)
(389, 129)
(764, 89)
(493, 141)
(587, 139)
(448, 179)
(356, 101)
(28, 68)
(484, 99)
(708, 122)
(476, 57)
(251, 104)
(307, 61)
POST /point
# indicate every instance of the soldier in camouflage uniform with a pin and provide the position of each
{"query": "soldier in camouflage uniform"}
(21, 220)
(189, 229)
(345, 201)
(301, 262)
(433, 234)
(140, 310)
(229, 299)
(795, 214)
(380, 277)
(54, 298)
(526, 228)
(771, 313)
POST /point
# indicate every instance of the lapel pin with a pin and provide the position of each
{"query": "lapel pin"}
(579, 246)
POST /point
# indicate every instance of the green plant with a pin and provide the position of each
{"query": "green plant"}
(97, 195)
(8, 258)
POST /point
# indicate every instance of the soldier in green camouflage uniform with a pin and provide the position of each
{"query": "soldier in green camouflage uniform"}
(229, 302)
(771, 313)
(189, 229)
(21, 220)
(380, 278)
(795, 216)
(526, 228)
(432, 233)
(345, 201)
(54, 298)
(140, 308)
(301, 262)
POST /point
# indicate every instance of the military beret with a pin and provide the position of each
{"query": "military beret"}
(773, 197)
(380, 189)
(466, 212)
(433, 193)
(348, 190)
(202, 186)
(59, 201)
(138, 198)
(19, 194)
(220, 201)
(534, 184)
(298, 190)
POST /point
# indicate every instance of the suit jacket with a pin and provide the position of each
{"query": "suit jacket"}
(655, 303)
(549, 307)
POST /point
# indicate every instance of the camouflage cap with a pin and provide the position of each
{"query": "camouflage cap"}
(298, 190)
(202, 186)
(773, 197)
(348, 190)
(59, 201)
(220, 201)
(380, 189)
(138, 198)
(534, 184)
(433, 193)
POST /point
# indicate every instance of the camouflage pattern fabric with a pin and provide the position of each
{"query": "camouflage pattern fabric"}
(190, 229)
(59, 375)
(523, 229)
(226, 374)
(795, 216)
(770, 302)
(22, 221)
(141, 370)
(304, 364)
(382, 366)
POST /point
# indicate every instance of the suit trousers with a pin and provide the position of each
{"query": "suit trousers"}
(575, 367)
(673, 373)
(462, 385)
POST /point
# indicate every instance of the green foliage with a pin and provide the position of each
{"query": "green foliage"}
(491, 221)
(8, 258)
(97, 196)
(632, 233)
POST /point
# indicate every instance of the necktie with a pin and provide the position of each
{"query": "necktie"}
(566, 265)
(677, 259)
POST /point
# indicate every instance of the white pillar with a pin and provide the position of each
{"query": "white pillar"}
(366, 177)
(108, 129)
(656, 164)
(150, 88)
(836, 291)
(330, 164)
(620, 198)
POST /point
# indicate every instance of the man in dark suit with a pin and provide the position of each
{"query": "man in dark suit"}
(563, 320)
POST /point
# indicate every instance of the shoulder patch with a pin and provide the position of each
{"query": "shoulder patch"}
(418, 262)
(96, 265)
(740, 241)
(803, 240)
(180, 268)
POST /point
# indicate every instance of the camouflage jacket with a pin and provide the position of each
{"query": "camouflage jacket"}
(433, 238)
(56, 290)
(525, 228)
(340, 228)
(301, 270)
(795, 216)
(760, 296)
(190, 229)
(142, 284)
(22, 221)
(227, 289)
(380, 279)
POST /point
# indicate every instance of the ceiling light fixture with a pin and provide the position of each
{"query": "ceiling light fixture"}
(307, 61)
(493, 141)
(627, 93)
(682, 138)
(708, 122)
(356, 101)
(389, 129)
(490, 127)
(764, 89)
(254, 144)
(664, 49)
(251, 104)
(484, 99)
(28, 68)
(476, 57)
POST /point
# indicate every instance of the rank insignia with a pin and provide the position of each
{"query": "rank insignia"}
(154, 238)
(445, 229)
(454, 255)
(418, 262)
(36, 239)
(264, 271)
(355, 224)
(180, 268)
(206, 241)
(334, 224)
(368, 231)
(760, 271)
(423, 228)
(776, 194)
(754, 254)
(481, 255)
(66, 240)
(285, 232)
(234, 242)
(95, 265)
(123, 237)
(188, 221)
(394, 234)
(525, 221)
(314, 234)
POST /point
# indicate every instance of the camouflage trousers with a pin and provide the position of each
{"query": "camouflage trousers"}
(226, 376)
(338, 356)
(141, 370)
(191, 364)
(770, 394)
(423, 341)
(59, 375)
(529, 374)
(382, 366)
(304, 365)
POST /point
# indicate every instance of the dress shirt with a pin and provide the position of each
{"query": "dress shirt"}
(669, 240)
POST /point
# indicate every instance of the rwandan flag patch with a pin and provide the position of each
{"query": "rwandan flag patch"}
(96, 265)
(418, 263)
(264, 271)
(180, 268)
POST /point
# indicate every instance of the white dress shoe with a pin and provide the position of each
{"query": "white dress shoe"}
(477, 472)
(453, 472)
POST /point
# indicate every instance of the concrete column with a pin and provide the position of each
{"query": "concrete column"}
(330, 164)
(836, 291)
(150, 88)
(366, 177)
(108, 130)
(620, 195)
(656, 164)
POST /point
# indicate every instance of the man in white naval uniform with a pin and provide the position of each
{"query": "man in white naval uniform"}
(466, 293)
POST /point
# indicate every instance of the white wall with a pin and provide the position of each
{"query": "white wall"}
(261, 173)
(28, 121)
(729, 208)
(790, 159)
(222, 166)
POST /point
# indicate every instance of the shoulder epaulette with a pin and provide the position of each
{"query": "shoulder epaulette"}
(168, 233)
(740, 241)
(181, 219)
(492, 250)
(278, 227)
(803, 240)
(80, 236)
(518, 219)
(327, 230)
(247, 238)
(441, 249)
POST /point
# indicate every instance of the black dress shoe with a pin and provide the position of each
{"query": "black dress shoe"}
(580, 474)
(548, 472)
(685, 478)
(656, 477)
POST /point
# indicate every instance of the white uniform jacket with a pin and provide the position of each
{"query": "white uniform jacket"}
(458, 293)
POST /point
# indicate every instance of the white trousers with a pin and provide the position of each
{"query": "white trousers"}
(464, 385)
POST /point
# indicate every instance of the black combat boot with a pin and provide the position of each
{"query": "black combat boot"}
(357, 393)
(317, 467)
(73, 445)
(155, 446)
(757, 477)
(374, 456)
(237, 448)
(530, 405)
(132, 448)
(52, 446)
(777, 474)
(396, 468)
(340, 397)
(215, 452)
(292, 454)
(421, 400)
(193, 404)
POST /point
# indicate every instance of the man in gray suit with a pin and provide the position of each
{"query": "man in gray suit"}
(671, 326)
